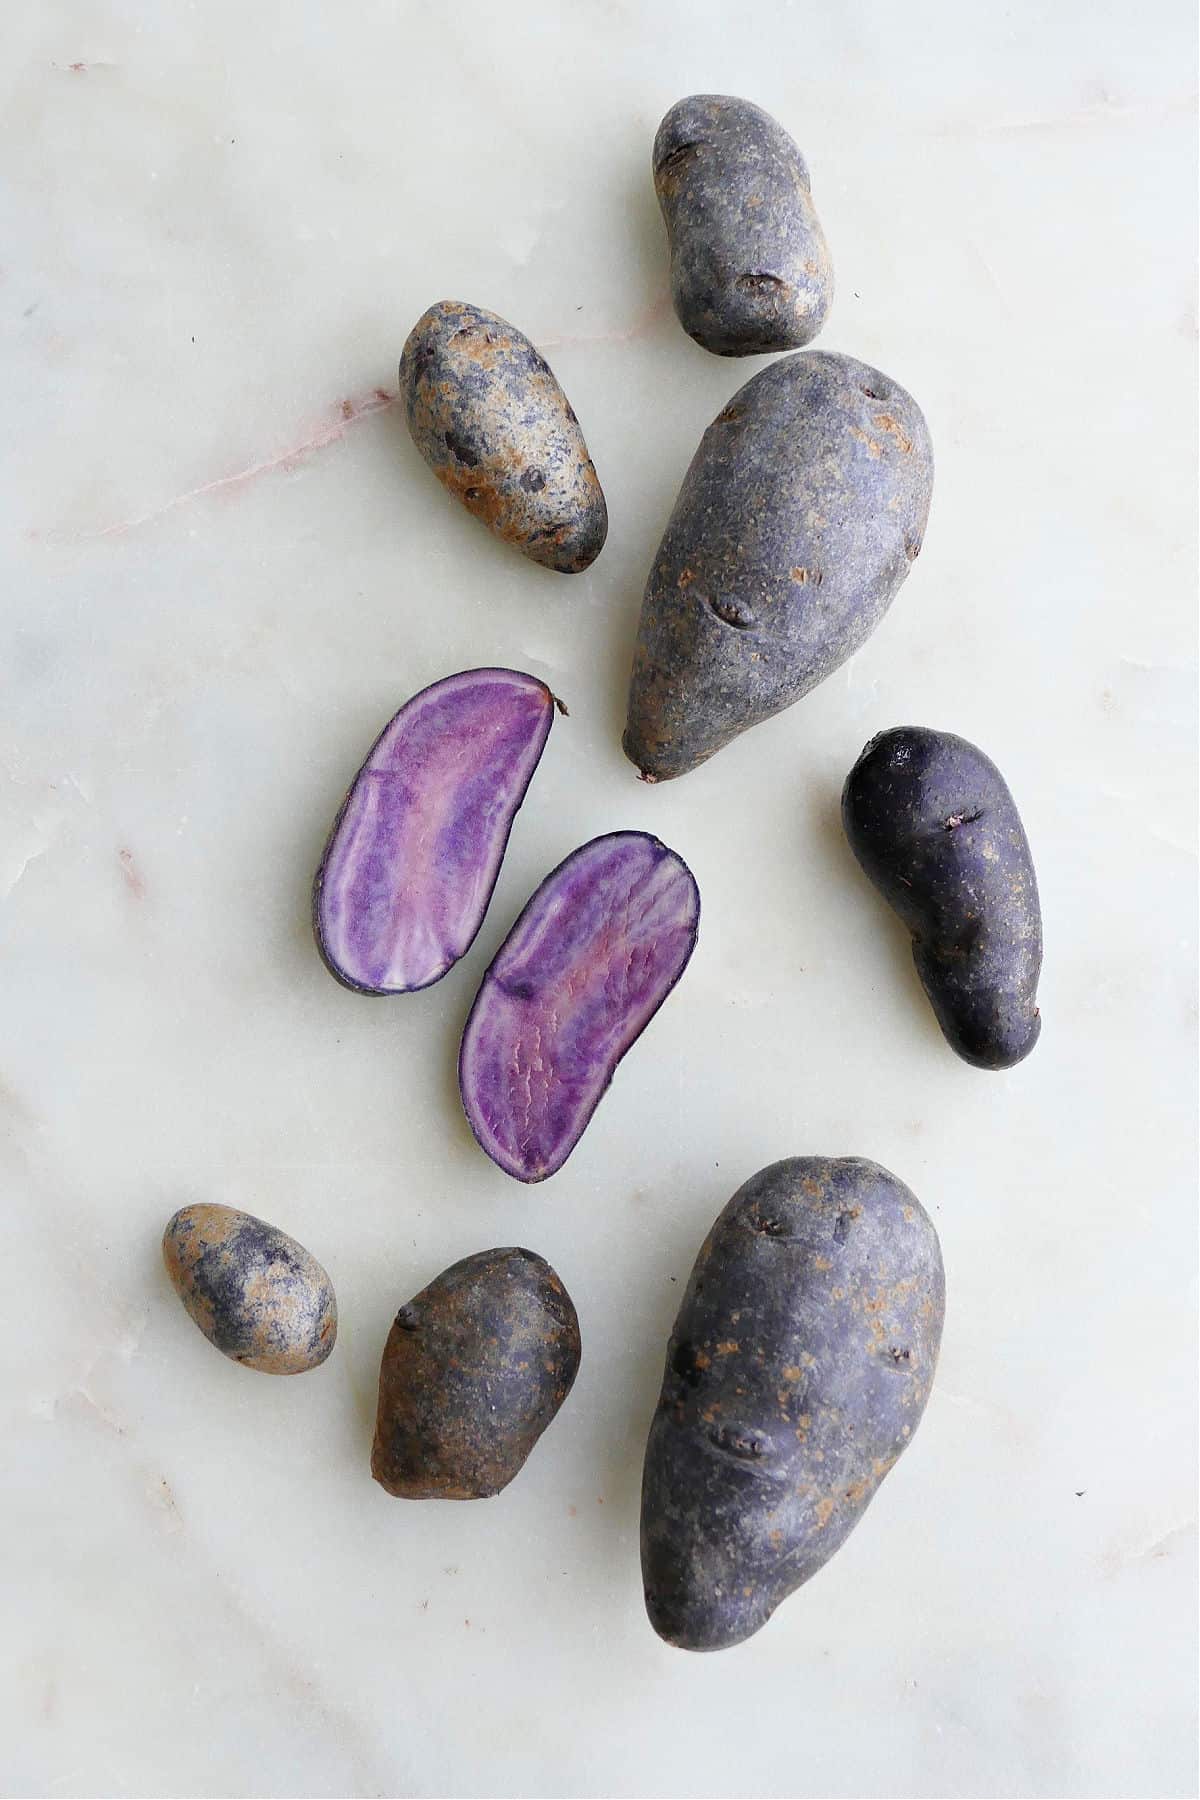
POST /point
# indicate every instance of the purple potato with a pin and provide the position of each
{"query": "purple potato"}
(474, 1369)
(796, 1375)
(254, 1292)
(750, 270)
(801, 514)
(932, 823)
(581, 974)
(416, 847)
(488, 416)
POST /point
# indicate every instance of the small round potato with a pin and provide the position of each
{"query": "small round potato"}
(254, 1292)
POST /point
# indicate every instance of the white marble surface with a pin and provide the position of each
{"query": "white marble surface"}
(224, 566)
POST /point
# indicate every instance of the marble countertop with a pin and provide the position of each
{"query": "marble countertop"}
(224, 566)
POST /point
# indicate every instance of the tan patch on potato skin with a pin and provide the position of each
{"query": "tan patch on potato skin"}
(886, 422)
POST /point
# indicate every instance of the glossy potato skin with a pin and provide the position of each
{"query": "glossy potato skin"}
(255, 1293)
(933, 825)
(750, 269)
(474, 1369)
(802, 512)
(796, 1374)
(486, 413)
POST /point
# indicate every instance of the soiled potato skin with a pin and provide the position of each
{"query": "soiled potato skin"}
(254, 1292)
(932, 823)
(750, 269)
(474, 1369)
(796, 1374)
(488, 416)
(801, 514)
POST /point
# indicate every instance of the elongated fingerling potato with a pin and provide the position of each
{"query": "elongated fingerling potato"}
(934, 827)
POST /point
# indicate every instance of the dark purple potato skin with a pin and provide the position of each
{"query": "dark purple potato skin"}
(582, 972)
(750, 269)
(412, 860)
(254, 1292)
(488, 416)
(474, 1369)
(802, 512)
(933, 825)
(796, 1375)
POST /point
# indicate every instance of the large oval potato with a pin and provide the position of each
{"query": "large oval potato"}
(486, 413)
(750, 270)
(933, 825)
(802, 512)
(798, 1369)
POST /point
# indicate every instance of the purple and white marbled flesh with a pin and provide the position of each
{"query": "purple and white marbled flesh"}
(417, 844)
(579, 977)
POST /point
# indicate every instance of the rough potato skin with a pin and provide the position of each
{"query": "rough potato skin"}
(797, 1372)
(474, 1369)
(932, 823)
(255, 1293)
(750, 270)
(488, 416)
(802, 512)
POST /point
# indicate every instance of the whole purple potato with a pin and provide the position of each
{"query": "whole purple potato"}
(750, 270)
(412, 859)
(796, 1375)
(932, 823)
(488, 416)
(254, 1292)
(802, 512)
(579, 977)
(474, 1369)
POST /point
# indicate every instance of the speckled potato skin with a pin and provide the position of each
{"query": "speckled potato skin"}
(932, 823)
(750, 269)
(255, 1293)
(797, 1372)
(474, 1369)
(488, 416)
(802, 512)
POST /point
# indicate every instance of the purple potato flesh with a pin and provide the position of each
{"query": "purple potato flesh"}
(579, 977)
(416, 847)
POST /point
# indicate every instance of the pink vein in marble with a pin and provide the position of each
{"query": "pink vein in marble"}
(579, 977)
(415, 850)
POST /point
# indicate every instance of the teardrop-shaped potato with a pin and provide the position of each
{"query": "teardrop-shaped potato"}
(254, 1292)
(412, 860)
(488, 416)
(750, 269)
(802, 512)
